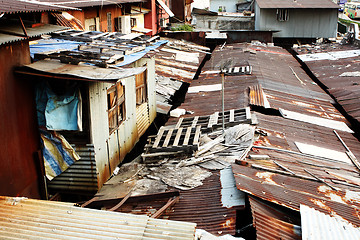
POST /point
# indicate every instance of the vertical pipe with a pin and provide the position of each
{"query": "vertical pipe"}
(222, 101)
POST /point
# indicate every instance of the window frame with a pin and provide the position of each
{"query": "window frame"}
(141, 88)
(282, 14)
(116, 106)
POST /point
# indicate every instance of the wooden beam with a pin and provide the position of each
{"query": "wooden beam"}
(170, 203)
(177, 138)
(187, 136)
(117, 206)
(168, 137)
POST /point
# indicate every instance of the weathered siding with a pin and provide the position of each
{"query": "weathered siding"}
(99, 128)
(302, 23)
(18, 126)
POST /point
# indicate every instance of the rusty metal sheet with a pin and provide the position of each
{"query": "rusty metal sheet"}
(291, 192)
(273, 223)
(16, 6)
(36, 219)
(337, 74)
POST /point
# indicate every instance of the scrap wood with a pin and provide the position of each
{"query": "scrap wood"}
(194, 160)
(207, 146)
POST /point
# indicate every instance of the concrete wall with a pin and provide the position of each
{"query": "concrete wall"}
(302, 23)
(224, 22)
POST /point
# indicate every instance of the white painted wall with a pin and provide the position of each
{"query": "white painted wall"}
(302, 23)
(229, 4)
(110, 149)
(201, 4)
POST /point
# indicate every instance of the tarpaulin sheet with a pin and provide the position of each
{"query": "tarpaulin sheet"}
(59, 112)
(136, 56)
(46, 45)
(57, 153)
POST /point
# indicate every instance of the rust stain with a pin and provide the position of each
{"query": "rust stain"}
(267, 177)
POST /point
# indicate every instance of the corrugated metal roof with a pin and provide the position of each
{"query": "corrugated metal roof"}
(336, 67)
(296, 4)
(89, 3)
(319, 226)
(23, 218)
(18, 6)
(179, 60)
(286, 85)
(34, 32)
(82, 71)
(272, 223)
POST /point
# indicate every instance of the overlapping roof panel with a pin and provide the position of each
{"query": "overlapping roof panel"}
(337, 69)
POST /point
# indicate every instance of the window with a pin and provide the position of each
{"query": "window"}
(116, 106)
(282, 15)
(132, 22)
(141, 90)
(109, 24)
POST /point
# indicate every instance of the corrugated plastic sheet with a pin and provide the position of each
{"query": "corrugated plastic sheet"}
(23, 218)
(296, 4)
(319, 226)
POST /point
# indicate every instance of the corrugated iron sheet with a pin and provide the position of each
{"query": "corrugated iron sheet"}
(81, 176)
(296, 4)
(81, 71)
(142, 118)
(17, 6)
(32, 32)
(35, 219)
(179, 60)
(316, 225)
(88, 3)
(336, 71)
(203, 206)
(286, 85)
(272, 223)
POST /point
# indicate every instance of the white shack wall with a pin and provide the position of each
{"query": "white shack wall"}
(99, 128)
(302, 23)
(111, 149)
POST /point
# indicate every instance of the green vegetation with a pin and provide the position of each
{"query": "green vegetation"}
(347, 22)
(185, 27)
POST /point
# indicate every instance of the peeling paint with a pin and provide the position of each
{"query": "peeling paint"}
(267, 177)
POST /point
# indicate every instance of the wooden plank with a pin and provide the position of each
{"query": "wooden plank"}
(194, 122)
(177, 138)
(248, 113)
(79, 33)
(243, 69)
(213, 119)
(187, 136)
(99, 35)
(167, 139)
(232, 115)
(158, 138)
(197, 135)
(179, 123)
(216, 118)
